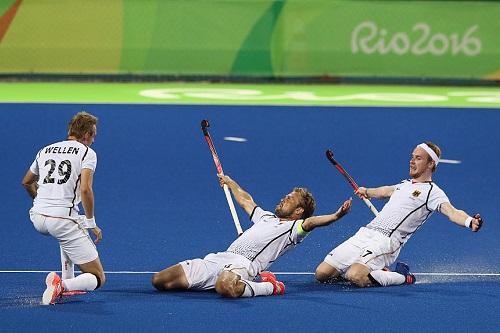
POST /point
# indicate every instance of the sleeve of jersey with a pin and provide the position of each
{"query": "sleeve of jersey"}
(298, 233)
(436, 199)
(258, 214)
(34, 167)
(90, 161)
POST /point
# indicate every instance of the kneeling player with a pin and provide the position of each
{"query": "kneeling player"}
(58, 179)
(233, 273)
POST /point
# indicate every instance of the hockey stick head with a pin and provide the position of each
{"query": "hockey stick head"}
(204, 126)
(329, 155)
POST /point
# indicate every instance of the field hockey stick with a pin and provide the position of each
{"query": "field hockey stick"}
(204, 126)
(329, 155)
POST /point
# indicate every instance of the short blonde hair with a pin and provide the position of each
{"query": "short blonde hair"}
(81, 123)
(307, 201)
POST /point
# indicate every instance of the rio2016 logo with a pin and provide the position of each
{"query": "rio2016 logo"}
(368, 38)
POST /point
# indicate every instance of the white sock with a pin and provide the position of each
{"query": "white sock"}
(257, 288)
(67, 267)
(388, 278)
(84, 281)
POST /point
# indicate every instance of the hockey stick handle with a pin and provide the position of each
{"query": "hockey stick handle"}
(329, 155)
(370, 205)
(218, 166)
(233, 210)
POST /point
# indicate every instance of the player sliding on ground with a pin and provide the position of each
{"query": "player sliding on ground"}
(362, 258)
(233, 273)
(58, 179)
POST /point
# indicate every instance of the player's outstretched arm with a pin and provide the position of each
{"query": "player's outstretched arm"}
(381, 192)
(243, 198)
(323, 220)
(460, 217)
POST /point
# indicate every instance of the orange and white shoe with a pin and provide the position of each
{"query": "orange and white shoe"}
(54, 288)
(278, 287)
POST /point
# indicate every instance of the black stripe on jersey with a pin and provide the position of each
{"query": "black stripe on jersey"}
(289, 239)
(247, 285)
(76, 185)
(253, 211)
(37, 157)
(272, 240)
(428, 196)
(413, 211)
(86, 151)
(74, 195)
(428, 214)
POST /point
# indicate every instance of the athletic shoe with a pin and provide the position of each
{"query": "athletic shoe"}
(278, 287)
(404, 269)
(54, 289)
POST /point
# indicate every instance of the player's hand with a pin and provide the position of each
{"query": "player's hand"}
(476, 223)
(362, 192)
(98, 234)
(224, 180)
(344, 209)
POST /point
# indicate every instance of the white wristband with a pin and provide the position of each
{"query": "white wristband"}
(89, 223)
(468, 222)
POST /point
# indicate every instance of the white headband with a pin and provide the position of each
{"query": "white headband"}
(429, 151)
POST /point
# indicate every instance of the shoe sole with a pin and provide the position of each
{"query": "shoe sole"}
(50, 294)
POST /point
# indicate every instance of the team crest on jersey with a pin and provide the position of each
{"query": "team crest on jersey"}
(416, 193)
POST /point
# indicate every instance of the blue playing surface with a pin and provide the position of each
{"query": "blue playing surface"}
(158, 202)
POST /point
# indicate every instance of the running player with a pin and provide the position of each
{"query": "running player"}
(59, 178)
(362, 258)
(232, 272)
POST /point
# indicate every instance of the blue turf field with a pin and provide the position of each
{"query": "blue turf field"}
(158, 202)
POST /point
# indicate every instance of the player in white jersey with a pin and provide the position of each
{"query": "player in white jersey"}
(232, 273)
(59, 179)
(363, 258)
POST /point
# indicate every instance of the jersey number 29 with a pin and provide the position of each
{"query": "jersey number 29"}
(64, 170)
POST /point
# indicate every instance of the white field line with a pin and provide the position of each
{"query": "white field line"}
(443, 160)
(279, 273)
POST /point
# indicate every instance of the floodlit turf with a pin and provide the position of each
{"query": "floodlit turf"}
(158, 202)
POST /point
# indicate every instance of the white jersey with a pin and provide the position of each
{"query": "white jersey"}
(267, 239)
(408, 208)
(59, 167)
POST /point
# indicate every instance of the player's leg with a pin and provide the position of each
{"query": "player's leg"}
(67, 266)
(79, 248)
(400, 276)
(325, 272)
(359, 275)
(338, 261)
(378, 252)
(170, 278)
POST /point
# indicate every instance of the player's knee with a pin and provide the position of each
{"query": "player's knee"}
(158, 282)
(101, 279)
(321, 274)
(358, 278)
(325, 272)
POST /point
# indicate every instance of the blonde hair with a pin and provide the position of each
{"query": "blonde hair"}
(81, 123)
(307, 201)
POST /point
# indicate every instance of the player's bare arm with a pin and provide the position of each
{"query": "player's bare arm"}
(30, 183)
(87, 195)
(460, 217)
(381, 192)
(323, 220)
(243, 198)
